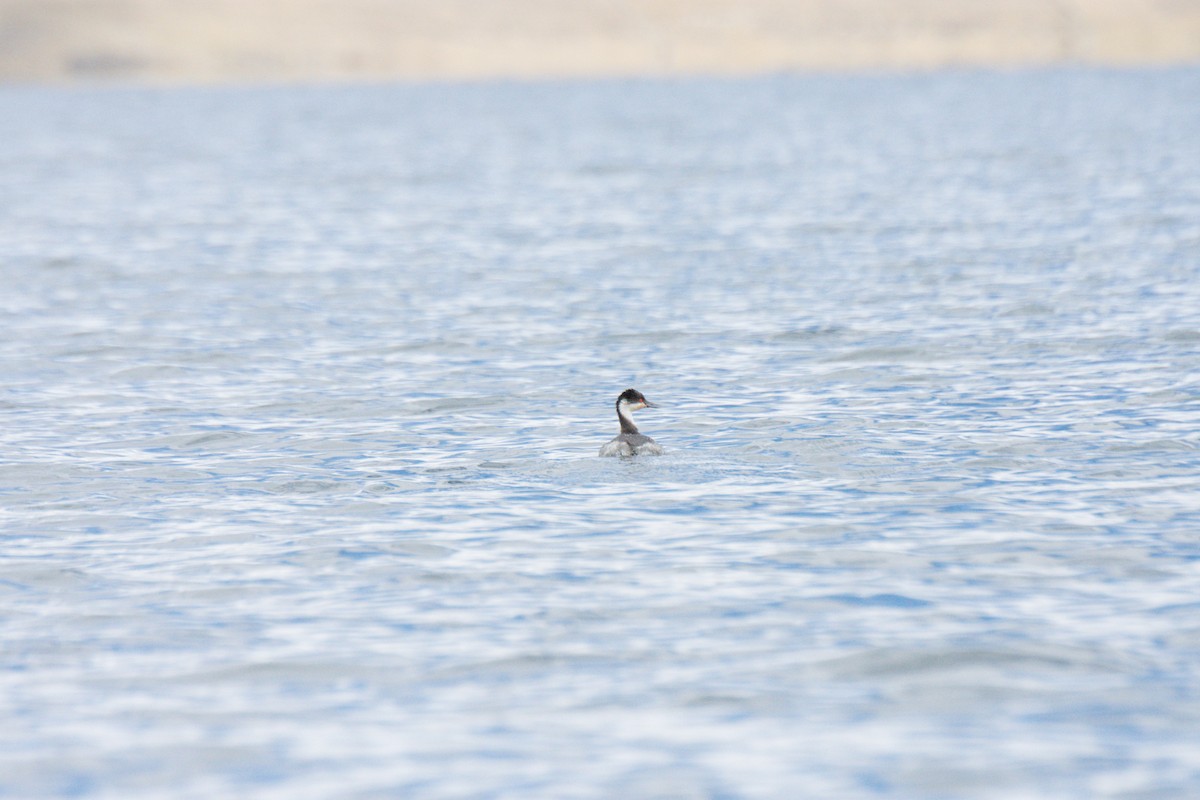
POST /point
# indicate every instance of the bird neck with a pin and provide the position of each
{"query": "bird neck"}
(627, 425)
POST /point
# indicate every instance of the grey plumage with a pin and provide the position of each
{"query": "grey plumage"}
(632, 444)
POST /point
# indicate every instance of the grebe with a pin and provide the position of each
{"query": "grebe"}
(630, 442)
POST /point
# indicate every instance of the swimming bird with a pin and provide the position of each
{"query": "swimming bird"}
(630, 442)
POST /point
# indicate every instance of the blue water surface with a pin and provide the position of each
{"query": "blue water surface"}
(303, 389)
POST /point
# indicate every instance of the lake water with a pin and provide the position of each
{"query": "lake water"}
(303, 389)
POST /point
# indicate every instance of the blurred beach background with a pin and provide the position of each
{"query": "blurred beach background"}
(337, 40)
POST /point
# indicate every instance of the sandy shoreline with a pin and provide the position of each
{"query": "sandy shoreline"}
(218, 41)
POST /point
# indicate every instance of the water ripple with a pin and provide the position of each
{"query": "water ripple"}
(304, 387)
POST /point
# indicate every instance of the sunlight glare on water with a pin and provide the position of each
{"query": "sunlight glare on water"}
(304, 388)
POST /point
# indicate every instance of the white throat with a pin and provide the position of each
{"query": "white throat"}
(624, 408)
